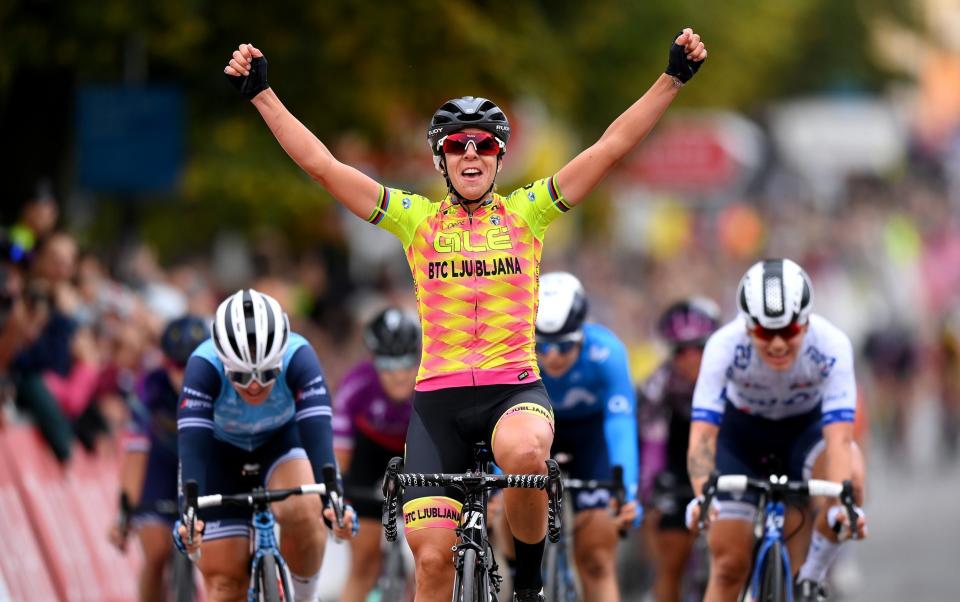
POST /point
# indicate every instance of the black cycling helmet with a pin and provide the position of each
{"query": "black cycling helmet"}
(393, 333)
(689, 321)
(182, 336)
(464, 112)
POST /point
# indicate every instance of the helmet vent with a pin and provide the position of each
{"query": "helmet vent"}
(773, 295)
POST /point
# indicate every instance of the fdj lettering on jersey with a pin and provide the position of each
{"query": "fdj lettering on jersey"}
(455, 268)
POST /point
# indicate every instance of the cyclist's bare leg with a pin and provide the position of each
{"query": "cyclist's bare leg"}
(225, 564)
(365, 561)
(156, 545)
(595, 553)
(731, 544)
(522, 445)
(302, 533)
(797, 528)
(434, 562)
(673, 552)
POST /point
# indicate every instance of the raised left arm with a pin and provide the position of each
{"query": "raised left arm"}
(578, 177)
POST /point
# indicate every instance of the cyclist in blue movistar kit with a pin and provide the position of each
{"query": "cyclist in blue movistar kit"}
(254, 393)
(148, 498)
(585, 370)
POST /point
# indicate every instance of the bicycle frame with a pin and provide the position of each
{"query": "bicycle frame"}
(472, 533)
(265, 537)
(774, 515)
(263, 521)
(774, 493)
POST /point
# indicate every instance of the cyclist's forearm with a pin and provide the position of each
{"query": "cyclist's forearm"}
(621, 434)
(578, 177)
(701, 453)
(300, 143)
(195, 446)
(132, 472)
(633, 125)
(838, 437)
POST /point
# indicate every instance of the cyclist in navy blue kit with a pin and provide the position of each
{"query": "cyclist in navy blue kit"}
(254, 393)
(585, 370)
(148, 499)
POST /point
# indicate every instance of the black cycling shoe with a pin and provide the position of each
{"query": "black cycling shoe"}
(809, 590)
(528, 595)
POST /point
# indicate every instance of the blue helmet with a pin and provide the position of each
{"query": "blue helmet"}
(182, 336)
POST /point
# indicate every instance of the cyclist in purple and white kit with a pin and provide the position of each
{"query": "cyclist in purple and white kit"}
(371, 411)
(776, 394)
(664, 411)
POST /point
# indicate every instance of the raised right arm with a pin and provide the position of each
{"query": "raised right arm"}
(351, 187)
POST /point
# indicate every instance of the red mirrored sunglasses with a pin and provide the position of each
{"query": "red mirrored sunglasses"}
(484, 142)
(786, 333)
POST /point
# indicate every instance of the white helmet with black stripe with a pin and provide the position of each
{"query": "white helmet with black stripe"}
(775, 293)
(562, 307)
(250, 332)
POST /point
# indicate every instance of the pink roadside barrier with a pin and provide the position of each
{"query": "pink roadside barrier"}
(61, 516)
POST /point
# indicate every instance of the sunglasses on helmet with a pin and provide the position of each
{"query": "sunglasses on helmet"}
(485, 143)
(263, 377)
(387, 363)
(768, 334)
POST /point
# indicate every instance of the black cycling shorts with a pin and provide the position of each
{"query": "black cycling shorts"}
(444, 426)
(362, 481)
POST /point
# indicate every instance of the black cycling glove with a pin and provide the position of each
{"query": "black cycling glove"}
(679, 66)
(253, 84)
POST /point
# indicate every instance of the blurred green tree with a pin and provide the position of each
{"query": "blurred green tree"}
(347, 66)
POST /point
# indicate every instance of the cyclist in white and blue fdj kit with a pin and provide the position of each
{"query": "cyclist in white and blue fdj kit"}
(585, 370)
(255, 394)
(776, 394)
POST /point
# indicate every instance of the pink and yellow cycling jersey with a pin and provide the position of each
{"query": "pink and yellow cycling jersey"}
(476, 277)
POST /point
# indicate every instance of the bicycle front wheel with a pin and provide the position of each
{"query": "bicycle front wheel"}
(270, 581)
(552, 587)
(772, 583)
(468, 578)
(183, 585)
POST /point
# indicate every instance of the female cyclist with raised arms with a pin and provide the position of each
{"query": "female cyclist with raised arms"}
(475, 260)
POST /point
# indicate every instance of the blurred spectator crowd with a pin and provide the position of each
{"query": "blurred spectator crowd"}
(78, 329)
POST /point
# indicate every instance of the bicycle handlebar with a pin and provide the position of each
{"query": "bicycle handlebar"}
(471, 481)
(811, 487)
(395, 481)
(778, 486)
(256, 497)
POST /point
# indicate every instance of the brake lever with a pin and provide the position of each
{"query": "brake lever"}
(709, 492)
(334, 493)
